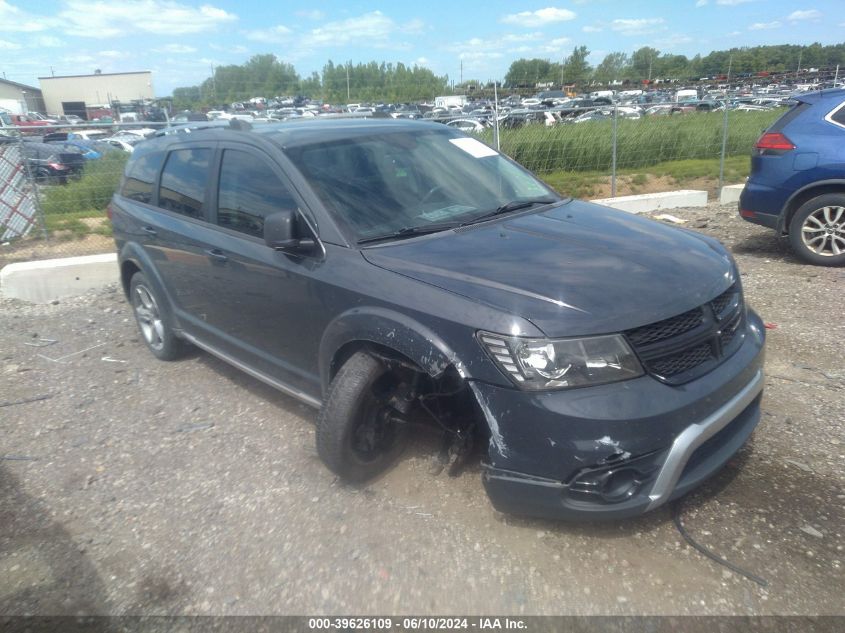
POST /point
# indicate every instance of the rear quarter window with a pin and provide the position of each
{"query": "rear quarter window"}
(183, 182)
(141, 176)
(789, 116)
(838, 115)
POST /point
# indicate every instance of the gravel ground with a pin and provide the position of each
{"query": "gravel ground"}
(141, 487)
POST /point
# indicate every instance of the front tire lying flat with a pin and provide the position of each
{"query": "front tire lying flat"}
(155, 327)
(358, 434)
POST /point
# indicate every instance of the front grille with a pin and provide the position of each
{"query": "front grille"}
(666, 328)
(686, 346)
(722, 301)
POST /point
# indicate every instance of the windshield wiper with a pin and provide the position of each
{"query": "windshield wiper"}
(412, 231)
(513, 205)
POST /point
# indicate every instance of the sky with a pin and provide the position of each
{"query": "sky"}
(180, 40)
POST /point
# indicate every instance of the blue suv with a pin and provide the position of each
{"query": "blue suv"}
(797, 182)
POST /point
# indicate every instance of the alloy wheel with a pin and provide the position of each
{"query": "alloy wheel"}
(149, 317)
(823, 232)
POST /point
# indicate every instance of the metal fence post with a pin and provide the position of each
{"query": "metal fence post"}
(613, 168)
(496, 116)
(724, 147)
(725, 131)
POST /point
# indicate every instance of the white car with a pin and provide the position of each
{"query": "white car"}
(88, 135)
(469, 126)
(120, 143)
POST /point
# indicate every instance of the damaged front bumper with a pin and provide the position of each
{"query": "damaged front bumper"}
(619, 450)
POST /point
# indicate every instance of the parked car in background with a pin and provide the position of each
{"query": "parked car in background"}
(386, 271)
(121, 143)
(27, 124)
(184, 117)
(69, 119)
(51, 164)
(83, 147)
(797, 181)
(469, 126)
(88, 135)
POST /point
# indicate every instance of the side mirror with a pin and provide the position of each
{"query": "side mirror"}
(281, 234)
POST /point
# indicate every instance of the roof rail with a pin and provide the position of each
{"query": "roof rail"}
(196, 126)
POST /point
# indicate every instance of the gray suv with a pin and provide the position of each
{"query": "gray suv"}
(393, 272)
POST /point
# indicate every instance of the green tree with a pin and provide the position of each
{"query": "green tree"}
(576, 68)
(642, 62)
(611, 68)
(527, 73)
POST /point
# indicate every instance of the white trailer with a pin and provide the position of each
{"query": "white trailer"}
(451, 101)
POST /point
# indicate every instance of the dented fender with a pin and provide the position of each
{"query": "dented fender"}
(391, 329)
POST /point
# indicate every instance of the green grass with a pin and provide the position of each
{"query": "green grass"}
(585, 184)
(736, 168)
(72, 226)
(91, 193)
(588, 147)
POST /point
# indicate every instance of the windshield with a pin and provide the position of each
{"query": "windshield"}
(395, 181)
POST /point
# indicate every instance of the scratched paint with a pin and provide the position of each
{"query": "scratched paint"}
(492, 422)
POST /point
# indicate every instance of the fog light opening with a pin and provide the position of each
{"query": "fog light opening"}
(621, 484)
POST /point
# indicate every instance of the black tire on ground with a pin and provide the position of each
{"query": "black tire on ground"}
(153, 322)
(356, 435)
(829, 206)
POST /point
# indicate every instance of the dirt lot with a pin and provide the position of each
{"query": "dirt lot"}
(140, 487)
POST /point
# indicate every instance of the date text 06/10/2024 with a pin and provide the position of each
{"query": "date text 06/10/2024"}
(416, 624)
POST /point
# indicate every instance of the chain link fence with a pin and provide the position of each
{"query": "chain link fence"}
(53, 196)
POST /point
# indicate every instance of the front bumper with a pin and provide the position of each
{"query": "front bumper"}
(619, 450)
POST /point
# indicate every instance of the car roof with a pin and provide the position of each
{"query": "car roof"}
(820, 95)
(296, 132)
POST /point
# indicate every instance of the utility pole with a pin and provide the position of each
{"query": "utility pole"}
(800, 53)
(835, 77)
(462, 72)
(347, 82)
(213, 84)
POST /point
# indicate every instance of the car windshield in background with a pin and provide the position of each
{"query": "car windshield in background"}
(407, 183)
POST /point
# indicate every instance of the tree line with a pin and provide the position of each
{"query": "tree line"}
(649, 63)
(267, 76)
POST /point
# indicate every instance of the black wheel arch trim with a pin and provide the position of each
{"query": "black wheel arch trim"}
(389, 329)
(790, 207)
(133, 253)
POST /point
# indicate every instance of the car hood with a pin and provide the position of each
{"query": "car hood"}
(575, 269)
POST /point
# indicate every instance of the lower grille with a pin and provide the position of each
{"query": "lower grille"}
(679, 363)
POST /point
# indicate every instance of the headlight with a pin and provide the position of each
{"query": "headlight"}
(538, 364)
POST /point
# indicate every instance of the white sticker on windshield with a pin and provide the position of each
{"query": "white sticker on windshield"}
(474, 148)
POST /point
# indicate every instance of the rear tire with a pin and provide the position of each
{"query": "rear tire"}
(358, 436)
(154, 324)
(817, 230)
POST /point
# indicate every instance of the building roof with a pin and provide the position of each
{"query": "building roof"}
(21, 86)
(131, 72)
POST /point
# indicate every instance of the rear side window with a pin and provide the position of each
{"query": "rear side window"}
(249, 192)
(788, 117)
(141, 177)
(183, 182)
(839, 115)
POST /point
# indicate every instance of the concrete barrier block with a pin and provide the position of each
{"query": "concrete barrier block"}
(43, 281)
(730, 193)
(646, 202)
